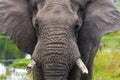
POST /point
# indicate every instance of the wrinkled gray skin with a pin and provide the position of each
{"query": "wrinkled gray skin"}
(57, 32)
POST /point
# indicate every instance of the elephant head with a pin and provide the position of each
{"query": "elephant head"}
(57, 33)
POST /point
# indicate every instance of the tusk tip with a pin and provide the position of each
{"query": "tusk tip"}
(82, 66)
(28, 69)
(30, 66)
(85, 72)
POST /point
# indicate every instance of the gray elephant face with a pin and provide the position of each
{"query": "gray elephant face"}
(56, 50)
(55, 22)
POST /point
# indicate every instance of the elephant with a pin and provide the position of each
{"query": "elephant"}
(59, 33)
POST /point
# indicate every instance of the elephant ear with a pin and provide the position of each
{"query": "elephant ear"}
(15, 21)
(101, 17)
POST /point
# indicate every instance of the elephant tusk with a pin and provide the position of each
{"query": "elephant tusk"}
(30, 66)
(82, 66)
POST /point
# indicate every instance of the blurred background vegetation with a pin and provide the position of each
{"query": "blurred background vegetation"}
(107, 60)
(8, 50)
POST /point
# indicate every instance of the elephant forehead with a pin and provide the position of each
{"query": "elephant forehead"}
(58, 20)
(56, 14)
(58, 1)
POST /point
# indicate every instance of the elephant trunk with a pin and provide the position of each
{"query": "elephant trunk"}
(56, 52)
(55, 69)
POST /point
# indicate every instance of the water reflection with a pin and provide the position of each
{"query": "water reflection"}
(2, 69)
(18, 74)
(10, 73)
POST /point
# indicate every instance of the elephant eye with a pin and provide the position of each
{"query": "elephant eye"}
(76, 28)
(36, 26)
(34, 8)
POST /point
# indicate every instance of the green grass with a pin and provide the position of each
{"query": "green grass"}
(3, 77)
(118, 4)
(21, 63)
(107, 66)
(107, 63)
(111, 40)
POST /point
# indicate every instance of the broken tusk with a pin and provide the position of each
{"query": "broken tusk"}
(82, 66)
(30, 66)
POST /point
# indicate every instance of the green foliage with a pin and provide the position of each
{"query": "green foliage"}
(118, 4)
(107, 66)
(3, 77)
(8, 50)
(111, 40)
(21, 63)
(107, 63)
